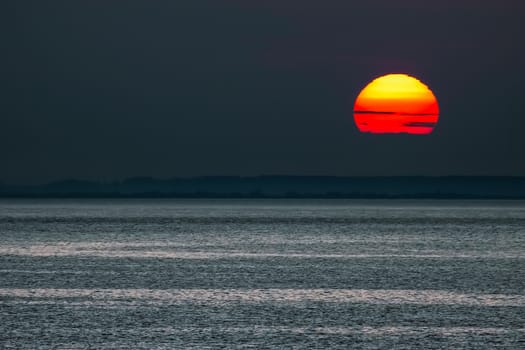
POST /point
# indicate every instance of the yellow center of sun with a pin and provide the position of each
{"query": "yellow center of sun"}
(397, 86)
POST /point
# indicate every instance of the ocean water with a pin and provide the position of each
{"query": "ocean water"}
(262, 274)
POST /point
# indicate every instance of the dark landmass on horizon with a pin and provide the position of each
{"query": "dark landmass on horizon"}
(446, 187)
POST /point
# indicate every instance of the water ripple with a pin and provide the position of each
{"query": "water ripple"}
(176, 296)
(116, 250)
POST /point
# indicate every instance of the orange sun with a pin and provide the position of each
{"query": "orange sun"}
(396, 103)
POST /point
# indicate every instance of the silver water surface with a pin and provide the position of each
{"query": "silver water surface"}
(163, 274)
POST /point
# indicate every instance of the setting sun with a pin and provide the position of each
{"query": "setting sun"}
(396, 103)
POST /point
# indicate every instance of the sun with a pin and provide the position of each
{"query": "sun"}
(396, 103)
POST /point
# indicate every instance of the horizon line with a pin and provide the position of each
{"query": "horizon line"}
(196, 177)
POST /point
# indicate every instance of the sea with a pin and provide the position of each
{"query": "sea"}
(261, 274)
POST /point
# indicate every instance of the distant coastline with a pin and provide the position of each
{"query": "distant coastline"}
(402, 187)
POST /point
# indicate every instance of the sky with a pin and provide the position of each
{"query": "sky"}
(106, 90)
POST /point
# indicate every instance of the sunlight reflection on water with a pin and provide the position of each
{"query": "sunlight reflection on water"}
(158, 250)
(423, 297)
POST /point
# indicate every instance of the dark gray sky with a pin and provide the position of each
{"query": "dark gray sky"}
(112, 89)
